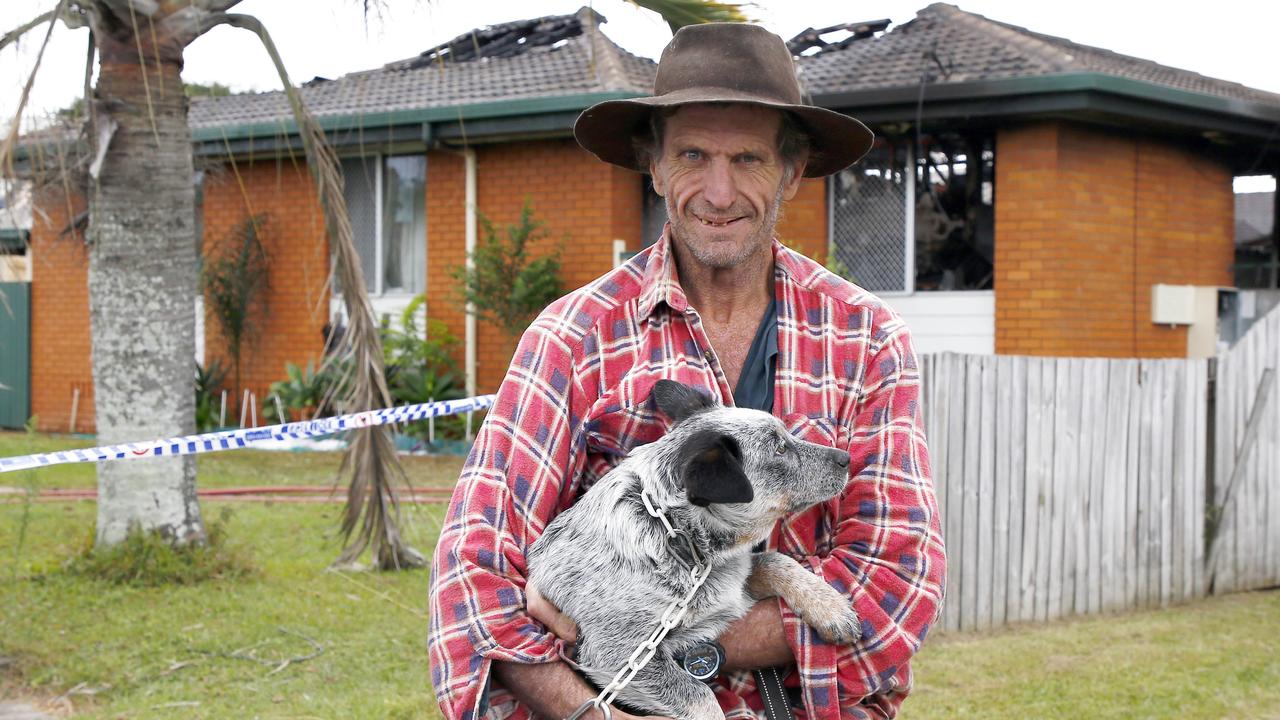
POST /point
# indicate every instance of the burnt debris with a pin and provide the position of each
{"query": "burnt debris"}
(810, 41)
(501, 41)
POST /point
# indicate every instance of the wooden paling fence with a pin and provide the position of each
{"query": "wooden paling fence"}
(1071, 486)
(1247, 461)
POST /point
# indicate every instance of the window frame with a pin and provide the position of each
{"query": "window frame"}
(379, 289)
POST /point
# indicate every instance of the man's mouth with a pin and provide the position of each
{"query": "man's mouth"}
(718, 222)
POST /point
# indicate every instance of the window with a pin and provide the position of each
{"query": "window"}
(386, 199)
(943, 240)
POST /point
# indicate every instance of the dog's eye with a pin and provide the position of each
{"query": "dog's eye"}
(782, 448)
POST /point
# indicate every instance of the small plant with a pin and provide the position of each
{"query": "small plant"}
(208, 398)
(420, 367)
(507, 286)
(234, 281)
(147, 559)
(305, 392)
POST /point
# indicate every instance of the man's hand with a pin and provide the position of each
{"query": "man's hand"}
(542, 610)
(548, 614)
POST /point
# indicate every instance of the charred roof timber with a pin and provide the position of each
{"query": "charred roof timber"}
(501, 41)
(810, 42)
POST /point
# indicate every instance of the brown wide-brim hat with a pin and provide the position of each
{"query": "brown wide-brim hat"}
(723, 63)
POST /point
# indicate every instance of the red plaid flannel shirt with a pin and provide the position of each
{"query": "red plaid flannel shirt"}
(574, 402)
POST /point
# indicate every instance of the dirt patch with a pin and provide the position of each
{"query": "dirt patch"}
(17, 702)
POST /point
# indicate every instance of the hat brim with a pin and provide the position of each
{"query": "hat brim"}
(609, 129)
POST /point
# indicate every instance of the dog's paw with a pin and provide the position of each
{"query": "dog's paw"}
(840, 627)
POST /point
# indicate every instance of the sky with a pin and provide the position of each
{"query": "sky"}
(1229, 39)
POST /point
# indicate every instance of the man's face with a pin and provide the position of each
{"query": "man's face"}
(722, 176)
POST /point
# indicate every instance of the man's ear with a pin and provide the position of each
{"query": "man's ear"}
(679, 401)
(713, 471)
(793, 187)
(658, 180)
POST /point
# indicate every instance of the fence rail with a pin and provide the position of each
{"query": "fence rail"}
(1072, 486)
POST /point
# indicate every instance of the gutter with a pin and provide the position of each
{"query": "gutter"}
(1252, 118)
(414, 117)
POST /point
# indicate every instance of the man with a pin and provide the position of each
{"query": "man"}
(718, 303)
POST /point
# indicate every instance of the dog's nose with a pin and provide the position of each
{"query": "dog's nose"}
(841, 458)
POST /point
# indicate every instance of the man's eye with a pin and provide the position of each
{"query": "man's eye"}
(692, 155)
(749, 158)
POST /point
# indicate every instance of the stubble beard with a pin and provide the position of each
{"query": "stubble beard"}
(684, 231)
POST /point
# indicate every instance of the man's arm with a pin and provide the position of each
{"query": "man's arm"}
(757, 639)
(552, 690)
(520, 464)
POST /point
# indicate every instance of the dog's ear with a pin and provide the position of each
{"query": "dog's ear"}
(713, 471)
(678, 401)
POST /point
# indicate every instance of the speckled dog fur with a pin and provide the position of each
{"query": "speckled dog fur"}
(725, 477)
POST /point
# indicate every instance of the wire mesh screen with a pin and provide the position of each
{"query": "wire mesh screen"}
(359, 189)
(868, 221)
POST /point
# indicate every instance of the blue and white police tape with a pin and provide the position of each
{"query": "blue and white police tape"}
(236, 439)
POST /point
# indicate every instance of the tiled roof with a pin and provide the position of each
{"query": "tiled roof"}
(575, 59)
(969, 47)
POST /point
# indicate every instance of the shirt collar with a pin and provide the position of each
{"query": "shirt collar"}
(661, 283)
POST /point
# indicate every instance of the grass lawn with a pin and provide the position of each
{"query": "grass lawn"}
(165, 652)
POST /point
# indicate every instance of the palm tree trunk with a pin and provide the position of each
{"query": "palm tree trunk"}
(142, 286)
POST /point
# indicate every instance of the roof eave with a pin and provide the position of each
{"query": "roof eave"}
(422, 124)
(1019, 96)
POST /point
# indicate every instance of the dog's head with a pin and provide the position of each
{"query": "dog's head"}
(742, 465)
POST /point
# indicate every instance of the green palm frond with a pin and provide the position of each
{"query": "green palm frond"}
(679, 13)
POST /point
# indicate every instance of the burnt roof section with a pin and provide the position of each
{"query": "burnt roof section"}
(811, 41)
(549, 57)
(955, 46)
(501, 41)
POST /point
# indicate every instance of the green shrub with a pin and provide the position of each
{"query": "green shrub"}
(234, 280)
(306, 394)
(506, 285)
(420, 368)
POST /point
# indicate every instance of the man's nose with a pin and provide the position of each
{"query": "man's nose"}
(719, 188)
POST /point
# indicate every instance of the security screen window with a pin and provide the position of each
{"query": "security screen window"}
(386, 200)
(896, 231)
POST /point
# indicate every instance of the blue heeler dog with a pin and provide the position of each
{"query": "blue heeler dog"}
(724, 476)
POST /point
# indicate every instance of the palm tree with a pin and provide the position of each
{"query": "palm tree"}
(142, 258)
(142, 266)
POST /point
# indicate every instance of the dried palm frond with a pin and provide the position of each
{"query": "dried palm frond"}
(371, 516)
(11, 138)
(679, 13)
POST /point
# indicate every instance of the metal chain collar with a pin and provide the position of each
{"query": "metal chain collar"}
(675, 612)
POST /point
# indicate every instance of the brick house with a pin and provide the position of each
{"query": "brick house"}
(1112, 175)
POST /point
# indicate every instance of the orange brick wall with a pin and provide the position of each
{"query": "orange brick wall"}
(296, 307)
(1087, 221)
(803, 224)
(585, 204)
(446, 240)
(60, 349)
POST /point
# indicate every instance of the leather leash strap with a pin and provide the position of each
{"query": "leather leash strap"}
(776, 704)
